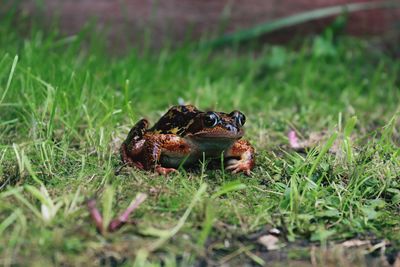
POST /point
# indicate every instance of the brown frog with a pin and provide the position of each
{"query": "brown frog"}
(186, 135)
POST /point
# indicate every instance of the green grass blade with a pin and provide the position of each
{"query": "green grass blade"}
(348, 129)
(35, 211)
(8, 221)
(107, 202)
(207, 225)
(44, 200)
(324, 150)
(229, 187)
(10, 77)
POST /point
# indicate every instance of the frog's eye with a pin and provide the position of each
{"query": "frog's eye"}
(211, 119)
(239, 117)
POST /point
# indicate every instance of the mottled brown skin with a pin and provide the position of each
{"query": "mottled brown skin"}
(184, 135)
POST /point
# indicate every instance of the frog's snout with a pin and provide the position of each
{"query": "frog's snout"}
(230, 128)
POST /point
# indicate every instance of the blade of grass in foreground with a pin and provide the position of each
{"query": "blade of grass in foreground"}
(9, 220)
(10, 77)
(324, 150)
(229, 187)
(107, 202)
(348, 129)
(299, 18)
(144, 252)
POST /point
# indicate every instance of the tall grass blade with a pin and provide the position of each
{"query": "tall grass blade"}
(8, 221)
(107, 202)
(14, 64)
(35, 211)
(348, 129)
(209, 219)
(229, 187)
(324, 150)
(48, 208)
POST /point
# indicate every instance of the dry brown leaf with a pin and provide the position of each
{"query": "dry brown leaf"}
(314, 139)
(271, 242)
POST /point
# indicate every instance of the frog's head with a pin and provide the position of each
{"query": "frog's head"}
(217, 125)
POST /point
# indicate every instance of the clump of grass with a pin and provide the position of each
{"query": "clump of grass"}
(66, 106)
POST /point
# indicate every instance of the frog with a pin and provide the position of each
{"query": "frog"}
(185, 136)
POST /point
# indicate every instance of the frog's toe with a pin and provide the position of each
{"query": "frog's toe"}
(165, 171)
(237, 166)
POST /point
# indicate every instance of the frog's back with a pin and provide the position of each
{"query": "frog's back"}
(176, 120)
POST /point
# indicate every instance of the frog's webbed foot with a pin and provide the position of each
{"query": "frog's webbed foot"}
(155, 146)
(240, 157)
(165, 171)
(236, 166)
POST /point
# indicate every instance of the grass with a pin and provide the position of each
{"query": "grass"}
(66, 106)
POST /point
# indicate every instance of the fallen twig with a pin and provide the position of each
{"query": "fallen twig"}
(123, 218)
(95, 214)
(117, 223)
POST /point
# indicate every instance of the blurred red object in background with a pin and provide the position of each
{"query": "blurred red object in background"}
(125, 22)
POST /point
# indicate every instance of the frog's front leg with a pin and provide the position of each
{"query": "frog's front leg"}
(132, 147)
(240, 157)
(163, 144)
